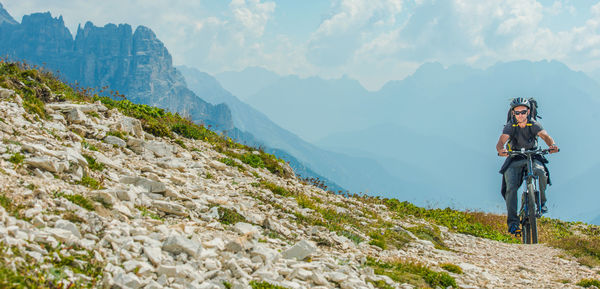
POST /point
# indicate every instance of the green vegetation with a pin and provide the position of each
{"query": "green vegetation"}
(16, 158)
(77, 199)
(180, 143)
(229, 216)
(90, 182)
(264, 285)
(147, 213)
(451, 268)
(412, 273)
(461, 222)
(227, 285)
(88, 146)
(93, 164)
(389, 239)
(352, 236)
(118, 134)
(11, 207)
(380, 284)
(430, 233)
(209, 176)
(585, 248)
(28, 273)
(588, 283)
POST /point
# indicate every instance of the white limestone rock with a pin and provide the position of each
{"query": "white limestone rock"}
(300, 250)
(177, 244)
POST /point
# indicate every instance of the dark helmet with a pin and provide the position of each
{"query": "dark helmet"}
(520, 101)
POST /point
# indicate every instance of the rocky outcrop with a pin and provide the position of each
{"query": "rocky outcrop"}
(5, 17)
(134, 63)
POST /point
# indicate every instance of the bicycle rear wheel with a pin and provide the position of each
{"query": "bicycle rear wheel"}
(531, 215)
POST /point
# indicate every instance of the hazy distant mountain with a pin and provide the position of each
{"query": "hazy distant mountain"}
(450, 118)
(247, 82)
(134, 63)
(313, 107)
(351, 172)
(595, 75)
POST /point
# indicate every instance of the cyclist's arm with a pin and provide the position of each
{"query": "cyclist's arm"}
(548, 139)
(500, 145)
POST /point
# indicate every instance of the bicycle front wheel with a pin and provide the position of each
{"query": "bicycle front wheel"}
(531, 214)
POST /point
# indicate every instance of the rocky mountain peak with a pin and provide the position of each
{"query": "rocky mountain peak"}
(5, 17)
(135, 64)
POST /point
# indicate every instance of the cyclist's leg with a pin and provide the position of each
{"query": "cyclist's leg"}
(513, 177)
(538, 170)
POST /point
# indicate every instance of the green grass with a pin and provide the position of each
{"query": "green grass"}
(589, 283)
(11, 207)
(209, 176)
(411, 272)
(451, 268)
(16, 158)
(88, 146)
(77, 199)
(118, 134)
(93, 164)
(229, 216)
(380, 284)
(180, 143)
(264, 285)
(458, 221)
(387, 238)
(586, 249)
(90, 182)
(28, 274)
(430, 233)
(146, 213)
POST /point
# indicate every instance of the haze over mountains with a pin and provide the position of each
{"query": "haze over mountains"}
(441, 124)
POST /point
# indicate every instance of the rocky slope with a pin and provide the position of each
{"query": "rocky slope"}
(90, 198)
(133, 63)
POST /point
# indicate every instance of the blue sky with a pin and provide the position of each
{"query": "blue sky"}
(373, 41)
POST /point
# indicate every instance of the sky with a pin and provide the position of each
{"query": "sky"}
(373, 41)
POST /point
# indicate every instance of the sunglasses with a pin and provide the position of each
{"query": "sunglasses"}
(517, 112)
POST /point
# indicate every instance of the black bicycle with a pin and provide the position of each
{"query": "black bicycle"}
(531, 208)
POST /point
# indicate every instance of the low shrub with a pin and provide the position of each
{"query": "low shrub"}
(414, 273)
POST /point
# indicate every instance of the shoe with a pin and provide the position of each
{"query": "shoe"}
(544, 209)
(515, 229)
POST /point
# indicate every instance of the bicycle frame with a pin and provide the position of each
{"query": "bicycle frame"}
(528, 217)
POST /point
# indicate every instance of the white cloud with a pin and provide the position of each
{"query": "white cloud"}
(373, 40)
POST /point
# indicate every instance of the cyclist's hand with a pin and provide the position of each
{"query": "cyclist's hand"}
(503, 153)
(553, 149)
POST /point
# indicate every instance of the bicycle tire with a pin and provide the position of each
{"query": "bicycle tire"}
(532, 213)
(525, 233)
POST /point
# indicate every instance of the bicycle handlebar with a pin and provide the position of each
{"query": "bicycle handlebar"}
(529, 152)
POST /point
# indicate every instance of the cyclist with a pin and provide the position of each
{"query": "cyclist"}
(522, 133)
